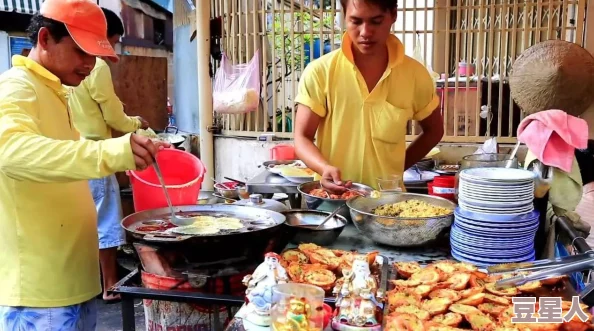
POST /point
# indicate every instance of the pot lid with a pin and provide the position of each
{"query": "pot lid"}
(553, 74)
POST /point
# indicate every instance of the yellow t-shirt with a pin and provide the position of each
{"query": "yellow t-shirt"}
(49, 254)
(363, 133)
(96, 108)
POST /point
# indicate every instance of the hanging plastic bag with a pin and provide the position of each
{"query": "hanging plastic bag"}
(236, 88)
(418, 55)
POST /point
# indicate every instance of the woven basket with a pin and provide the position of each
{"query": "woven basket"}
(553, 74)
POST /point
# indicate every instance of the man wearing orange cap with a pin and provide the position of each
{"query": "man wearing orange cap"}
(49, 261)
(96, 111)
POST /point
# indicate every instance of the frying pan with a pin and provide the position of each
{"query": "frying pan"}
(262, 233)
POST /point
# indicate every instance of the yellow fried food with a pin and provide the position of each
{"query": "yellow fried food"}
(195, 230)
(229, 223)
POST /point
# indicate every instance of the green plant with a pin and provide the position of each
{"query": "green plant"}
(288, 39)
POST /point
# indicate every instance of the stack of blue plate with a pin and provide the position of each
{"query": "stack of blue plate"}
(486, 239)
(495, 221)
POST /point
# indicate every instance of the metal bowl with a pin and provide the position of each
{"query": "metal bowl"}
(229, 193)
(324, 204)
(398, 231)
(207, 198)
(301, 225)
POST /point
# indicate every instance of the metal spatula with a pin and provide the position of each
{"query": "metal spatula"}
(179, 221)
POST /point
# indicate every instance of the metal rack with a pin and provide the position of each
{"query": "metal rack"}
(129, 291)
(130, 288)
(568, 234)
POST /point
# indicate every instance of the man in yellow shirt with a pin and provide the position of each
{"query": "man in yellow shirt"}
(49, 261)
(96, 110)
(359, 99)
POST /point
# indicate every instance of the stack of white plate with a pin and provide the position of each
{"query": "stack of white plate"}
(495, 221)
(498, 191)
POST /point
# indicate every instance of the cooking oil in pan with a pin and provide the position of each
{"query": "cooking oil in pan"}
(207, 224)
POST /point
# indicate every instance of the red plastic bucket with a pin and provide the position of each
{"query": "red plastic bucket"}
(282, 153)
(183, 174)
(443, 186)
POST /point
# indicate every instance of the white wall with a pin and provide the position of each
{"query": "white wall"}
(113, 5)
(239, 158)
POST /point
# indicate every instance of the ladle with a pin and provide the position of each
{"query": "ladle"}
(512, 156)
(179, 221)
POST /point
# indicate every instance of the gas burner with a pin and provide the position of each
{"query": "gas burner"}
(168, 262)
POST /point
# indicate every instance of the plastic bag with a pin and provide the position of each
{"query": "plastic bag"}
(488, 147)
(418, 55)
(236, 88)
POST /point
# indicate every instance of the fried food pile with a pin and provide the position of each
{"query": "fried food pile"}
(411, 209)
(450, 296)
(322, 267)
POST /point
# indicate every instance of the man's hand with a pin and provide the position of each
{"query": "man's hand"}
(331, 180)
(144, 150)
(144, 124)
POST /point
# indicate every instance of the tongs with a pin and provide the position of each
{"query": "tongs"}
(542, 269)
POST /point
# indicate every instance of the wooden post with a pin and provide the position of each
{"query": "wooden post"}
(205, 92)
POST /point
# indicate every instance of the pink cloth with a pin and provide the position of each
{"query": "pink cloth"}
(553, 136)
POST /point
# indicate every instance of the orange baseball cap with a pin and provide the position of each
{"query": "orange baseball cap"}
(84, 21)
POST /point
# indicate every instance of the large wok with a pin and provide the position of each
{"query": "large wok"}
(262, 233)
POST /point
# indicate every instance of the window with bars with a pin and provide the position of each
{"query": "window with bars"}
(468, 45)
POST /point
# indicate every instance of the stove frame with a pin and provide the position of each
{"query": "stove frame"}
(128, 291)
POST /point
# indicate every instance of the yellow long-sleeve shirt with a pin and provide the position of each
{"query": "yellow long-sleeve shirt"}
(96, 107)
(48, 223)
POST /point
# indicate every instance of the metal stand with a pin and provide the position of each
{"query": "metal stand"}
(128, 292)
(580, 245)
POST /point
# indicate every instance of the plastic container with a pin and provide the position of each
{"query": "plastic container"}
(443, 186)
(465, 69)
(183, 174)
(282, 153)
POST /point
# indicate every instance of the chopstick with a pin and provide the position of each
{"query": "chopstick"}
(235, 180)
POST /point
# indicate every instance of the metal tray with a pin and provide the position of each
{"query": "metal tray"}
(565, 290)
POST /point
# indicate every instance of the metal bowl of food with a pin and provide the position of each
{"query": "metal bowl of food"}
(426, 218)
(301, 224)
(327, 204)
(229, 190)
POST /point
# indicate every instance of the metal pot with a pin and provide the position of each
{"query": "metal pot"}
(257, 201)
(263, 233)
(207, 198)
(324, 204)
(174, 138)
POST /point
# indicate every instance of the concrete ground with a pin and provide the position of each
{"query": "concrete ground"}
(109, 317)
